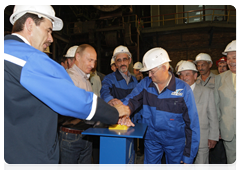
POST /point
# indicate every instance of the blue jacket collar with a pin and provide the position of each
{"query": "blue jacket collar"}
(119, 77)
(13, 37)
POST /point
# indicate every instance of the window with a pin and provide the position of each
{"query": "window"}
(198, 13)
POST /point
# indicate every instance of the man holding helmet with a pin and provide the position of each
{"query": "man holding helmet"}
(35, 90)
(207, 113)
(169, 110)
(225, 99)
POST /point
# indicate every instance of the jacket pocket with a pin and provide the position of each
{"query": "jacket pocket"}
(170, 123)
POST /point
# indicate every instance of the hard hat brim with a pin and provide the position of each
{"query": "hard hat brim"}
(128, 53)
(144, 69)
(195, 62)
(147, 69)
(57, 22)
(178, 73)
(225, 52)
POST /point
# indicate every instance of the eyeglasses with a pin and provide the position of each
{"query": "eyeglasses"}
(120, 60)
(153, 72)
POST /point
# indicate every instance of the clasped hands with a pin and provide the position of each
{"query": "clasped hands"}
(124, 112)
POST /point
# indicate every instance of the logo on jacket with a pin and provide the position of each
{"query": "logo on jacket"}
(177, 92)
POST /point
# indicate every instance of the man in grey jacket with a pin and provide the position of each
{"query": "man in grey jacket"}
(204, 64)
(208, 120)
(225, 99)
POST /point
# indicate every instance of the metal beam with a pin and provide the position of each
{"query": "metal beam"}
(187, 26)
(60, 38)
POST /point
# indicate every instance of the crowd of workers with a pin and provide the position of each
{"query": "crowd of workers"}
(190, 112)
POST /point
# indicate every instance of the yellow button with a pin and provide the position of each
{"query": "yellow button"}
(118, 127)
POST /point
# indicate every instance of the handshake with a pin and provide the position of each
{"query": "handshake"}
(124, 112)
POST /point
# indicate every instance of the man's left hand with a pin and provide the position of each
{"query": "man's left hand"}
(211, 143)
(125, 120)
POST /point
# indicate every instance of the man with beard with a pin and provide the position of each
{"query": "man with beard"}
(204, 63)
(117, 85)
(225, 99)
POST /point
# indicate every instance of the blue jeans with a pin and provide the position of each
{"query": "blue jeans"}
(74, 148)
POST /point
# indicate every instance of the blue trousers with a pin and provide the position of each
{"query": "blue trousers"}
(75, 148)
(153, 152)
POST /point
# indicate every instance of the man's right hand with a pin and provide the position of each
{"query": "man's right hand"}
(123, 110)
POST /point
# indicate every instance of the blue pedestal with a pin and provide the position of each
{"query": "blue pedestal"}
(117, 146)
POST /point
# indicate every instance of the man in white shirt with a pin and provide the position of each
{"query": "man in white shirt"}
(75, 148)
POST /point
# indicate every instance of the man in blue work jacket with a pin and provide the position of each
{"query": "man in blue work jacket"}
(169, 110)
(117, 85)
(35, 90)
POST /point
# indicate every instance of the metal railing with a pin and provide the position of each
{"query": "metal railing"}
(173, 18)
(186, 17)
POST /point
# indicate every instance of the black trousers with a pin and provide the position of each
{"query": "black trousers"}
(217, 155)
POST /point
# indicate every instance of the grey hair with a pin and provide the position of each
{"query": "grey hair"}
(167, 65)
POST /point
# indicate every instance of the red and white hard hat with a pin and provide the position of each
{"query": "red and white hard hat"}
(153, 58)
(203, 57)
(45, 11)
(186, 65)
(138, 65)
(230, 47)
(71, 51)
(121, 49)
(223, 59)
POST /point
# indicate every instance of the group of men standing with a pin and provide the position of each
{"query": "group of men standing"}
(215, 97)
(183, 115)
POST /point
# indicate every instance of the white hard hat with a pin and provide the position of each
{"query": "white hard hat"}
(112, 62)
(203, 57)
(230, 47)
(178, 64)
(71, 51)
(153, 58)
(138, 65)
(121, 49)
(186, 65)
(41, 10)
